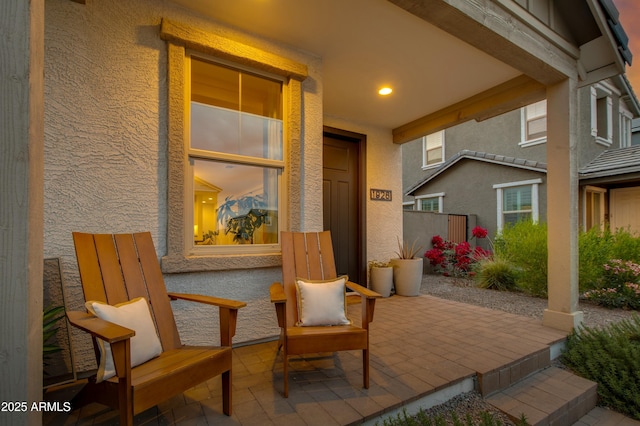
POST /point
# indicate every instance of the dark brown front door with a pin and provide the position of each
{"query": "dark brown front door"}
(341, 199)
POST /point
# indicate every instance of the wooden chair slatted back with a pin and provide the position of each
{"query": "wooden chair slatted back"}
(117, 268)
(305, 255)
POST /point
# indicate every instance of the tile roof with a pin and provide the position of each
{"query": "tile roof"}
(613, 162)
(520, 163)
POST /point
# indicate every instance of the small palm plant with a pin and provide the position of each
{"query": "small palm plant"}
(50, 318)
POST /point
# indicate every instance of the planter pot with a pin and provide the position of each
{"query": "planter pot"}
(382, 280)
(407, 276)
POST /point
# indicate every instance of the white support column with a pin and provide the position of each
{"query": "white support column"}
(562, 206)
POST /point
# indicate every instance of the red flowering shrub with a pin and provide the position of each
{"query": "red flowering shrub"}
(479, 232)
(456, 259)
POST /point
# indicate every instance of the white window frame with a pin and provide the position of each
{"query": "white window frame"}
(409, 203)
(192, 153)
(524, 119)
(438, 195)
(426, 166)
(600, 91)
(535, 208)
(626, 117)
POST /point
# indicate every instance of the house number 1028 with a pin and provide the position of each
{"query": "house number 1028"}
(380, 194)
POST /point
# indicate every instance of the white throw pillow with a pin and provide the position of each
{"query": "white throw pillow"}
(322, 303)
(136, 316)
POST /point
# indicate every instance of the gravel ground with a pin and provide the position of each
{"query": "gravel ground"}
(463, 290)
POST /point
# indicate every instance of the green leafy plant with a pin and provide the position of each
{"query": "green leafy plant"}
(618, 285)
(524, 245)
(596, 246)
(241, 217)
(408, 251)
(609, 356)
(50, 318)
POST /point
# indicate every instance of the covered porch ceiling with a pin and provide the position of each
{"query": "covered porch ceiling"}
(498, 60)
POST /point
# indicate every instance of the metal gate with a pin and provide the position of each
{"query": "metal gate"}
(457, 228)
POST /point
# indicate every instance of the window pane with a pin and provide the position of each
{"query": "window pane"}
(536, 120)
(215, 85)
(232, 132)
(433, 148)
(430, 204)
(234, 112)
(537, 128)
(512, 218)
(235, 204)
(517, 198)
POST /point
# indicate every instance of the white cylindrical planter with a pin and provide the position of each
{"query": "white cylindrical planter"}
(382, 280)
(407, 276)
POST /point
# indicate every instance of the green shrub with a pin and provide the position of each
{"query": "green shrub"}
(594, 249)
(524, 245)
(496, 274)
(611, 357)
(597, 247)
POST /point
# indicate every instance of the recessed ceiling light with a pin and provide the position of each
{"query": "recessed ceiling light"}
(385, 91)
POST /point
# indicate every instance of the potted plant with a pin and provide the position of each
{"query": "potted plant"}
(407, 269)
(381, 277)
(241, 217)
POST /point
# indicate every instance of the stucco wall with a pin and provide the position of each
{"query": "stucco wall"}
(106, 155)
(468, 188)
(106, 144)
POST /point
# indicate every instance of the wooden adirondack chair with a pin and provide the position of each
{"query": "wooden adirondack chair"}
(310, 256)
(115, 269)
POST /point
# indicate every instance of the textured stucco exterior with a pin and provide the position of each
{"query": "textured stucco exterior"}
(468, 188)
(106, 151)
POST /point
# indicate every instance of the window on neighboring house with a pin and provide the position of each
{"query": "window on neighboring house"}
(601, 115)
(235, 152)
(534, 124)
(517, 201)
(430, 202)
(433, 149)
(625, 126)
(408, 205)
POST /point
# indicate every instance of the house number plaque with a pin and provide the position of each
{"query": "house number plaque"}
(380, 194)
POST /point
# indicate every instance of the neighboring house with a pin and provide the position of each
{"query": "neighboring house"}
(129, 115)
(497, 170)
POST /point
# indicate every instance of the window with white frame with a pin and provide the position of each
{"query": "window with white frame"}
(235, 156)
(430, 202)
(601, 115)
(517, 201)
(433, 149)
(408, 205)
(534, 124)
(625, 125)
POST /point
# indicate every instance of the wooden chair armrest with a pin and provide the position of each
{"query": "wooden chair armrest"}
(363, 291)
(99, 328)
(279, 299)
(277, 293)
(209, 300)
